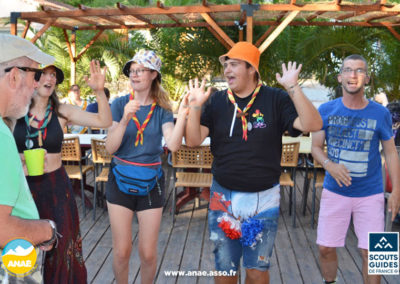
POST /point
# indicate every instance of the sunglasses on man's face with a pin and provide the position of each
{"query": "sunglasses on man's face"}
(38, 72)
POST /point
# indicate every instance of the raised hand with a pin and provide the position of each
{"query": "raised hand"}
(197, 93)
(184, 106)
(130, 109)
(97, 76)
(290, 75)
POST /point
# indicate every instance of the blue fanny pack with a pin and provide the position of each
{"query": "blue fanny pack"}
(137, 180)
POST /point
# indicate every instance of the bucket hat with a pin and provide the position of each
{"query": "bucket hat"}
(245, 51)
(13, 47)
(147, 58)
(59, 72)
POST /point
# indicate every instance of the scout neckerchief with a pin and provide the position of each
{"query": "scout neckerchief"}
(242, 113)
(140, 129)
(41, 131)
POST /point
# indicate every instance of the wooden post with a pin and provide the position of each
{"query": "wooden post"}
(14, 22)
(249, 29)
(73, 61)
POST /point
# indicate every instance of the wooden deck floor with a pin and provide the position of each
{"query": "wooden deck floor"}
(184, 246)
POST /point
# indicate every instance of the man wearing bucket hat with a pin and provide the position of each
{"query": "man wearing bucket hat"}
(246, 123)
(140, 120)
(19, 60)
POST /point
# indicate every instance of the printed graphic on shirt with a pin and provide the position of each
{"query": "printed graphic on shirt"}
(349, 140)
(259, 123)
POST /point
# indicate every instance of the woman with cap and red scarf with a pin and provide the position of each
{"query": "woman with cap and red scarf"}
(43, 127)
(140, 120)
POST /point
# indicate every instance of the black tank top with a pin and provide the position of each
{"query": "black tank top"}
(53, 141)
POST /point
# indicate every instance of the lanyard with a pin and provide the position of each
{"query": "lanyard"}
(41, 129)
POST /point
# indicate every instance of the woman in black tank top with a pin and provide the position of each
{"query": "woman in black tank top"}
(52, 192)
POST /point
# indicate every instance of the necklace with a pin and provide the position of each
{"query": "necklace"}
(242, 113)
(41, 131)
(141, 128)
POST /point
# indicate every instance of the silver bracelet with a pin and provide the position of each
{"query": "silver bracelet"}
(325, 163)
(54, 237)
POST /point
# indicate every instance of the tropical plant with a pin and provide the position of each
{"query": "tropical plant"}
(193, 52)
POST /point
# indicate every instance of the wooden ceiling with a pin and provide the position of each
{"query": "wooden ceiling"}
(213, 17)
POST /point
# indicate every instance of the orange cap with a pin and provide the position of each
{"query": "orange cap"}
(245, 51)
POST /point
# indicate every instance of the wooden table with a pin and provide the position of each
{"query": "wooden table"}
(85, 139)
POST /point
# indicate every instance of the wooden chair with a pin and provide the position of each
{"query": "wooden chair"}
(191, 158)
(289, 159)
(72, 157)
(101, 161)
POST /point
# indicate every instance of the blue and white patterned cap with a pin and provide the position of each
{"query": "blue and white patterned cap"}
(147, 58)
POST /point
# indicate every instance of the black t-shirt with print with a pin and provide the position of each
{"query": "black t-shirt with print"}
(252, 165)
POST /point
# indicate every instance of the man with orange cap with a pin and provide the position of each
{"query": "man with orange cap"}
(246, 123)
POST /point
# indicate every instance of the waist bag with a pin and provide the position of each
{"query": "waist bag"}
(137, 180)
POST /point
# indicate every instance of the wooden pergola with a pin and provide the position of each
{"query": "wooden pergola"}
(380, 13)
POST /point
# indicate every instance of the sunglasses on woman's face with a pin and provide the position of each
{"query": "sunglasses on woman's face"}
(38, 72)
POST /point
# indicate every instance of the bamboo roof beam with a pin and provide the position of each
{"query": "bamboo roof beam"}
(264, 36)
(219, 38)
(315, 15)
(89, 45)
(109, 19)
(373, 18)
(278, 30)
(71, 56)
(213, 25)
(350, 15)
(27, 25)
(393, 31)
(122, 7)
(123, 10)
(42, 30)
(82, 19)
(55, 24)
(172, 17)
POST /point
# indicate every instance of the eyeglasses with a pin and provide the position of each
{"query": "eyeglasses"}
(138, 72)
(38, 72)
(359, 71)
(75, 90)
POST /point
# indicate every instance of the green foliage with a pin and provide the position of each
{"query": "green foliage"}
(193, 52)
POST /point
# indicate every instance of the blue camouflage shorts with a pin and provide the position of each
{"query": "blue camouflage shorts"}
(263, 206)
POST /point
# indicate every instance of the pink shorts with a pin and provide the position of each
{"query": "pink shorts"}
(335, 214)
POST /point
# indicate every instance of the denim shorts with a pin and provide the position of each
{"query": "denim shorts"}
(228, 252)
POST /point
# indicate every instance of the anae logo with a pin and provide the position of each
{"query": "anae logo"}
(379, 242)
(19, 257)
